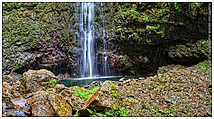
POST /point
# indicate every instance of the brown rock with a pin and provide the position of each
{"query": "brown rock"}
(40, 104)
(34, 79)
(7, 78)
(109, 94)
(48, 103)
(75, 100)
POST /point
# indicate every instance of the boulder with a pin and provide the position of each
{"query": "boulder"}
(40, 105)
(48, 103)
(60, 105)
(35, 79)
(11, 90)
(76, 96)
(109, 94)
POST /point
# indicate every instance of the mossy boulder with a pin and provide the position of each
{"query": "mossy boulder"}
(48, 103)
(33, 80)
(191, 51)
(109, 94)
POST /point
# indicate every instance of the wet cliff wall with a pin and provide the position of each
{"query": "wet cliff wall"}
(141, 36)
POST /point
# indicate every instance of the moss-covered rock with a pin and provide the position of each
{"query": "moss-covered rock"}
(34, 33)
(186, 52)
(162, 32)
(33, 80)
(48, 103)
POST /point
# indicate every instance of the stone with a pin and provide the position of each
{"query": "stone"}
(60, 106)
(19, 101)
(109, 94)
(33, 80)
(7, 78)
(74, 98)
(48, 103)
(40, 105)
(59, 86)
(14, 113)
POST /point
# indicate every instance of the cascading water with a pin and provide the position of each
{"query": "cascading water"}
(92, 33)
(93, 38)
(87, 39)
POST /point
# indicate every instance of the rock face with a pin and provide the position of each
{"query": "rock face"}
(61, 106)
(34, 79)
(158, 34)
(38, 39)
(151, 36)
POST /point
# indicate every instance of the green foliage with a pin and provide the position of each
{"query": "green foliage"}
(177, 7)
(85, 94)
(123, 113)
(198, 4)
(156, 29)
(204, 42)
(168, 115)
(145, 17)
(82, 94)
(93, 90)
(17, 66)
(9, 7)
(76, 113)
(203, 65)
(115, 112)
(52, 81)
(95, 113)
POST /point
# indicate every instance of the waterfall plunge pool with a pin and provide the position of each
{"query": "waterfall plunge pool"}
(87, 80)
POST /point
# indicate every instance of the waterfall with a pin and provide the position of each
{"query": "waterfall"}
(87, 39)
(92, 35)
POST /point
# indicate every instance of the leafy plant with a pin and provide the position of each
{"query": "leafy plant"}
(198, 4)
(145, 18)
(93, 90)
(85, 94)
(115, 111)
(93, 112)
(82, 94)
(76, 114)
(203, 65)
(123, 113)
(52, 81)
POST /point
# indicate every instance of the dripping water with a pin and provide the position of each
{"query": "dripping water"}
(92, 35)
(87, 39)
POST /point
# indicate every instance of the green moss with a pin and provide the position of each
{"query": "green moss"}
(114, 91)
(17, 66)
(62, 107)
(203, 65)
(25, 25)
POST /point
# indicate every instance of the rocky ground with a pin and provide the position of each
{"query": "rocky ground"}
(175, 91)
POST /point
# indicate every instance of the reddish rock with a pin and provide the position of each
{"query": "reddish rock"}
(41, 105)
